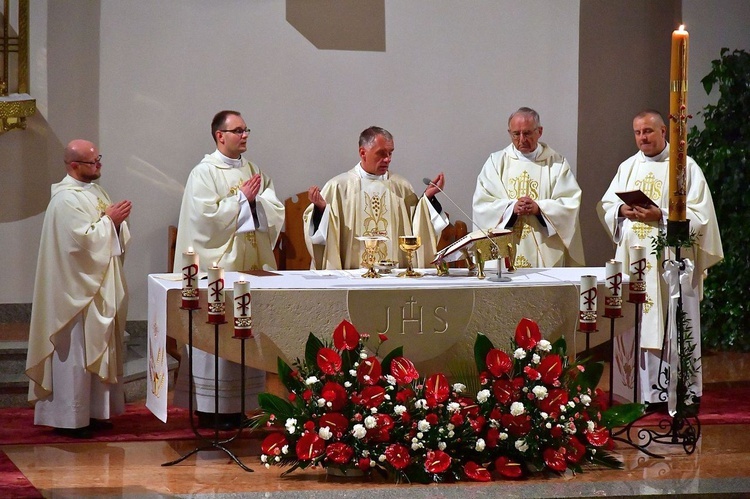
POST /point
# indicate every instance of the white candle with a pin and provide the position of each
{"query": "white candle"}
(243, 323)
(613, 287)
(587, 304)
(216, 306)
(190, 279)
(638, 268)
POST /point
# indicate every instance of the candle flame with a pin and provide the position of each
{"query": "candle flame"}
(190, 249)
(214, 265)
(681, 28)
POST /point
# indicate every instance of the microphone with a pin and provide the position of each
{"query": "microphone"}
(427, 181)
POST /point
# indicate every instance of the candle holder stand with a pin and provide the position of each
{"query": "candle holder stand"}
(216, 442)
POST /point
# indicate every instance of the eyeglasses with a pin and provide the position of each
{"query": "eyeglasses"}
(237, 131)
(525, 133)
(95, 162)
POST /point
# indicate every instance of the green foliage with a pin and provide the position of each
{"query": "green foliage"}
(722, 149)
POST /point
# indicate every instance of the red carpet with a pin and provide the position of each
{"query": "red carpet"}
(722, 403)
(13, 483)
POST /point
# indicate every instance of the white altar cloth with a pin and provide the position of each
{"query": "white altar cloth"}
(434, 318)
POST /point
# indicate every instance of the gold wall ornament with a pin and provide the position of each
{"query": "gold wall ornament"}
(15, 102)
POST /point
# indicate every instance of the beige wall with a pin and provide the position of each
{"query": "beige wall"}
(144, 78)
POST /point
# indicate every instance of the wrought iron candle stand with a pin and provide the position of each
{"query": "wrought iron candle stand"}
(216, 442)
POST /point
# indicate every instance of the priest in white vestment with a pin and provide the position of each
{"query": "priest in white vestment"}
(230, 216)
(76, 349)
(648, 170)
(369, 200)
(529, 188)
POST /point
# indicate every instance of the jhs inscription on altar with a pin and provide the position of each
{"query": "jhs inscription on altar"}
(417, 319)
(412, 320)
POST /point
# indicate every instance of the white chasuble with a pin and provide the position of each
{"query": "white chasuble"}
(358, 206)
(79, 277)
(506, 176)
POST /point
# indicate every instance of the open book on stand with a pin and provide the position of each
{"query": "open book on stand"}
(457, 249)
(636, 198)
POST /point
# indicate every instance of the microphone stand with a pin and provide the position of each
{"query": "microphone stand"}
(499, 277)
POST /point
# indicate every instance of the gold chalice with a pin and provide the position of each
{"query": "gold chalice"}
(370, 257)
(409, 244)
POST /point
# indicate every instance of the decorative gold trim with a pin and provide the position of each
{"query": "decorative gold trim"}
(15, 107)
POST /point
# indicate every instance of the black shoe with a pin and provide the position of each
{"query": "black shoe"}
(221, 421)
(100, 424)
(660, 407)
(80, 433)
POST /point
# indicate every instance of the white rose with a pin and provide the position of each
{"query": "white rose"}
(480, 445)
(516, 408)
(482, 396)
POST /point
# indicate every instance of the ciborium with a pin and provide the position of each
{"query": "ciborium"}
(409, 244)
(370, 256)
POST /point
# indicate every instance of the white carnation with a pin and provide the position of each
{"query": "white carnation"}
(540, 392)
(482, 396)
(480, 445)
(459, 387)
(442, 445)
(544, 346)
(359, 431)
(520, 353)
(423, 425)
(503, 436)
(399, 409)
(325, 433)
(363, 355)
(535, 359)
(370, 422)
(311, 380)
(517, 408)
(454, 407)
(390, 379)
(585, 400)
(521, 445)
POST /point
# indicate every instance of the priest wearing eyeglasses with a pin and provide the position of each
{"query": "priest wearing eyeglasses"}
(230, 216)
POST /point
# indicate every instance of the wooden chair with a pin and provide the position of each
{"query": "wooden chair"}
(292, 251)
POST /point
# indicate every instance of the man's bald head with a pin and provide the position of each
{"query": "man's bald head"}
(82, 160)
(77, 150)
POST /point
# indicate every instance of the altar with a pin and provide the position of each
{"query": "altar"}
(435, 319)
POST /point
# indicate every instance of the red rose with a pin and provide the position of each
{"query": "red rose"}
(336, 422)
(554, 459)
(335, 394)
(369, 370)
(403, 370)
(273, 444)
(477, 473)
(508, 468)
(527, 334)
(373, 396)
(329, 361)
(498, 362)
(310, 446)
(339, 453)
(437, 461)
(550, 368)
(397, 456)
(345, 336)
(436, 389)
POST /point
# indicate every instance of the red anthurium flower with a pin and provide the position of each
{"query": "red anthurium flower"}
(600, 400)
(397, 456)
(508, 468)
(336, 422)
(555, 398)
(437, 461)
(373, 396)
(273, 444)
(518, 382)
(436, 389)
(498, 362)
(517, 426)
(550, 368)
(403, 370)
(556, 431)
(405, 395)
(335, 394)
(477, 423)
(527, 334)
(369, 371)
(329, 361)
(339, 453)
(477, 473)
(599, 437)
(382, 430)
(468, 405)
(345, 336)
(310, 446)
(576, 450)
(457, 419)
(504, 390)
(554, 459)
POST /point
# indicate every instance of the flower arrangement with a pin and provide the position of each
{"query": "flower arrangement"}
(349, 410)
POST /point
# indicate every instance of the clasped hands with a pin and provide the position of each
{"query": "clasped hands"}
(118, 212)
(251, 187)
(641, 213)
(525, 206)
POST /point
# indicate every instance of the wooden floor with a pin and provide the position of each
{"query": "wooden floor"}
(720, 465)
